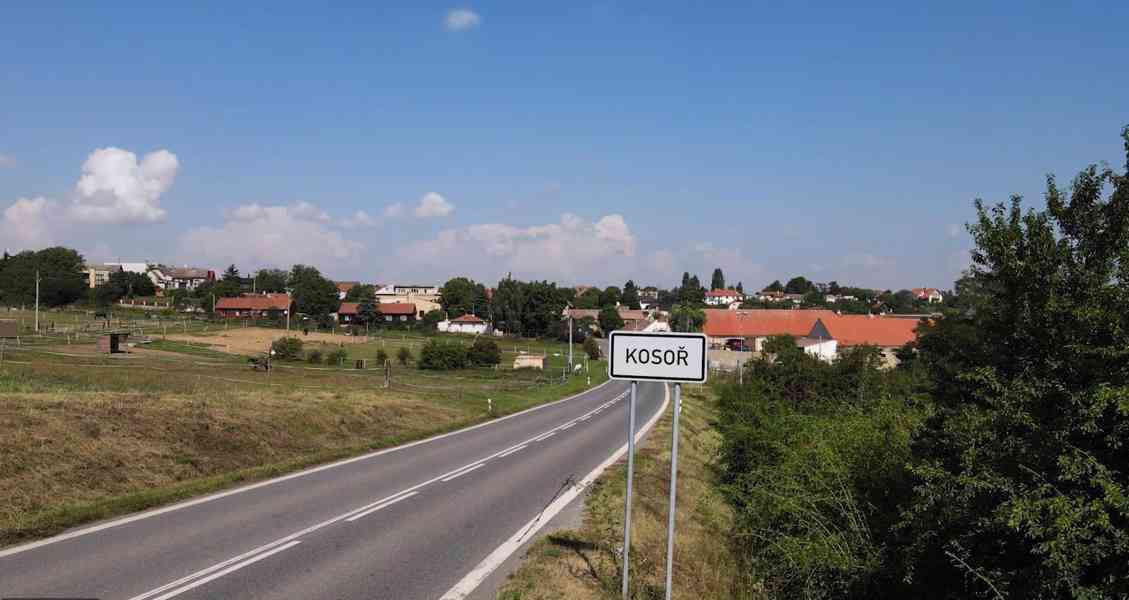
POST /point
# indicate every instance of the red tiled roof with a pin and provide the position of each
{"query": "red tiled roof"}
(396, 308)
(345, 286)
(255, 302)
(723, 293)
(760, 323)
(858, 330)
(924, 292)
(468, 319)
(348, 308)
(632, 315)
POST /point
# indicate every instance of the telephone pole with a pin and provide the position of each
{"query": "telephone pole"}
(37, 300)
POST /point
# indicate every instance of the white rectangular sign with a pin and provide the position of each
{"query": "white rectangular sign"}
(657, 356)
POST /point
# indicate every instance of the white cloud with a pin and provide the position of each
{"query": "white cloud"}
(360, 219)
(7, 161)
(275, 236)
(433, 205)
(116, 188)
(573, 248)
(461, 19)
(396, 209)
(27, 223)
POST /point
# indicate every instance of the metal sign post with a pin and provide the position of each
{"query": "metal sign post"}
(666, 357)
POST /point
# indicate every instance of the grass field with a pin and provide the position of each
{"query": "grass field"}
(86, 435)
(584, 564)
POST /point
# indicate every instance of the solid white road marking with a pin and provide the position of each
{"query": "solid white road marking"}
(512, 451)
(546, 436)
(463, 472)
(381, 506)
(182, 505)
(235, 567)
(476, 576)
(468, 466)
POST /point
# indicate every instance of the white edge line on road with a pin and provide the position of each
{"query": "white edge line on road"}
(166, 509)
(546, 436)
(382, 506)
(476, 576)
(463, 472)
(235, 567)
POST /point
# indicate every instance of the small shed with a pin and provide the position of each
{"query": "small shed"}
(529, 361)
(9, 329)
(113, 342)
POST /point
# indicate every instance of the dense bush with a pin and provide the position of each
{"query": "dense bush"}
(813, 462)
(336, 357)
(381, 357)
(314, 357)
(484, 352)
(287, 348)
(404, 355)
(442, 355)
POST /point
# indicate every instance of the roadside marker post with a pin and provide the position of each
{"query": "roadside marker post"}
(670, 358)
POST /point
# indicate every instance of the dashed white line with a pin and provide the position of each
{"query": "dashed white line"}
(568, 426)
(382, 505)
(513, 450)
(546, 436)
(463, 472)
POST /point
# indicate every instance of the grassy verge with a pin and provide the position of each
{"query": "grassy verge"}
(585, 563)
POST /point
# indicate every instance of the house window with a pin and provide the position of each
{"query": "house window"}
(403, 317)
(388, 317)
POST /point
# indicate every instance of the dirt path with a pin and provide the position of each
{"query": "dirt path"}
(251, 340)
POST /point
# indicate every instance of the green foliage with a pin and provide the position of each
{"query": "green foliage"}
(1020, 474)
(336, 357)
(314, 357)
(775, 286)
(382, 356)
(442, 355)
(287, 348)
(460, 296)
(484, 352)
(124, 284)
(630, 297)
(609, 319)
(313, 294)
(360, 293)
(798, 285)
(813, 462)
(592, 348)
(368, 311)
(430, 320)
(61, 273)
(270, 280)
(589, 299)
(717, 282)
(687, 317)
(529, 309)
(404, 355)
(611, 296)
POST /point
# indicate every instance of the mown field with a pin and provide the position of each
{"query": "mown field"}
(87, 436)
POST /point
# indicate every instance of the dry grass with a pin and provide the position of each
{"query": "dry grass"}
(252, 340)
(585, 563)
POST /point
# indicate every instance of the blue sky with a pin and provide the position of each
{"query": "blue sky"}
(583, 143)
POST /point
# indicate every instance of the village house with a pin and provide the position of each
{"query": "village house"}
(99, 273)
(932, 295)
(270, 306)
(425, 298)
(343, 288)
(723, 297)
(398, 312)
(750, 328)
(831, 333)
(633, 320)
(465, 324)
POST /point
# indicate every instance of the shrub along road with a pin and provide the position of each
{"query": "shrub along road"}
(403, 523)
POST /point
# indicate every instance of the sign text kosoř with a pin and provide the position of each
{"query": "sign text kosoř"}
(657, 356)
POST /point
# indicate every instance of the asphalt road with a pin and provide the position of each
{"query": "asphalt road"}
(407, 523)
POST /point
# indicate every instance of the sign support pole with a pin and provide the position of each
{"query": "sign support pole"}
(627, 496)
(673, 488)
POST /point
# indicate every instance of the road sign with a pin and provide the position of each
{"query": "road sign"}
(677, 357)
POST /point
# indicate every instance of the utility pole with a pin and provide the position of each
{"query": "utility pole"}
(570, 341)
(37, 301)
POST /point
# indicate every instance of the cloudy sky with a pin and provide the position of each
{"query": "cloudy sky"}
(583, 143)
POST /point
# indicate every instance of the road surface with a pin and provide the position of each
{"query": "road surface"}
(410, 522)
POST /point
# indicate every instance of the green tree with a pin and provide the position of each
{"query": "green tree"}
(124, 284)
(230, 284)
(314, 295)
(609, 319)
(611, 296)
(798, 285)
(484, 352)
(361, 292)
(62, 279)
(717, 282)
(509, 306)
(630, 297)
(589, 299)
(775, 286)
(460, 296)
(430, 320)
(270, 280)
(381, 356)
(740, 287)
(1021, 487)
(287, 348)
(687, 318)
(442, 355)
(404, 355)
(368, 312)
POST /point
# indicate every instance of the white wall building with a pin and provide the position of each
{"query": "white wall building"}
(469, 324)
